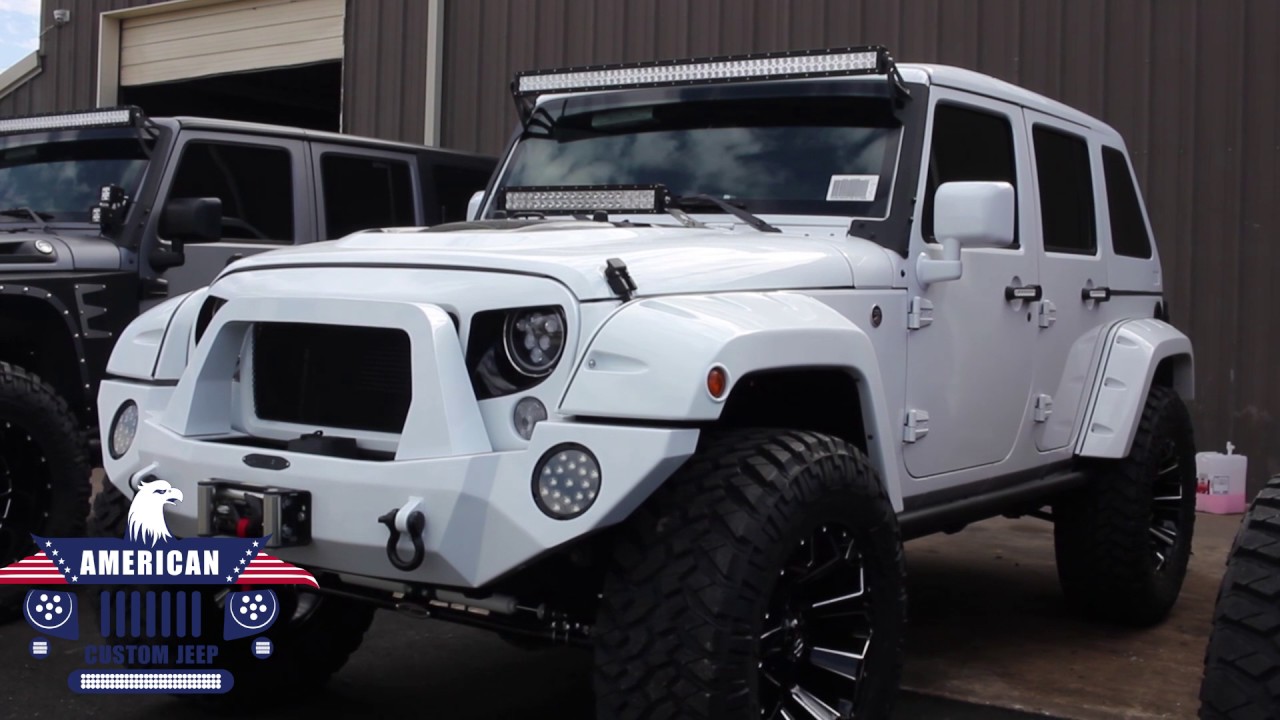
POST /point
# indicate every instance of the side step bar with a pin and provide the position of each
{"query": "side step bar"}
(955, 513)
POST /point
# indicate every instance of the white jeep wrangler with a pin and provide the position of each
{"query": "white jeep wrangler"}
(720, 336)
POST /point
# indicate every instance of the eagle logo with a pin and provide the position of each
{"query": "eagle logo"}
(146, 513)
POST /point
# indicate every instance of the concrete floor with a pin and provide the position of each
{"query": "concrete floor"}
(989, 625)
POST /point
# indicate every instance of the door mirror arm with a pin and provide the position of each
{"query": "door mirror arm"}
(931, 270)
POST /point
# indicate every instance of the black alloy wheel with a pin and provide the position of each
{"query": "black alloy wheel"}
(818, 632)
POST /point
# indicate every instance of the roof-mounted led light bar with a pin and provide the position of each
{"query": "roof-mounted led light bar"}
(104, 117)
(866, 60)
(582, 199)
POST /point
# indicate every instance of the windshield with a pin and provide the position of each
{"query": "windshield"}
(801, 155)
(61, 179)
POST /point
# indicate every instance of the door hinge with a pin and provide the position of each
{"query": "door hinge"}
(917, 426)
(1043, 408)
(1048, 313)
(920, 314)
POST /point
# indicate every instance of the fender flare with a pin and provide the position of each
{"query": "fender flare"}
(155, 345)
(1132, 351)
(649, 361)
(93, 307)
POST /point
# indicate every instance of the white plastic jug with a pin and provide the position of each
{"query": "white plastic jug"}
(1220, 481)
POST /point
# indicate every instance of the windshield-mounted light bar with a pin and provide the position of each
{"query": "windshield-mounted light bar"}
(787, 66)
(103, 117)
(865, 60)
(582, 198)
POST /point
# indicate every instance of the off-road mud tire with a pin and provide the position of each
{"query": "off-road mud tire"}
(1242, 662)
(1103, 534)
(678, 633)
(45, 454)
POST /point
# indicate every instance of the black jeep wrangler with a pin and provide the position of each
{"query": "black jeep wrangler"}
(106, 212)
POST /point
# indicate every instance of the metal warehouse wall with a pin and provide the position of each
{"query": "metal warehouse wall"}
(1193, 85)
(384, 65)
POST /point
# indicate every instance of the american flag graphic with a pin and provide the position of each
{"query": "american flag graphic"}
(266, 570)
(35, 569)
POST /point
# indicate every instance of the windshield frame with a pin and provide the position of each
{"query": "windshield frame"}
(891, 231)
(45, 137)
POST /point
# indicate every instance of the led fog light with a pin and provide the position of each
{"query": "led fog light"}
(566, 481)
(529, 412)
(123, 427)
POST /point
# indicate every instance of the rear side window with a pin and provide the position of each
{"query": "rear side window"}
(254, 182)
(361, 193)
(454, 185)
(1129, 234)
(968, 145)
(1066, 192)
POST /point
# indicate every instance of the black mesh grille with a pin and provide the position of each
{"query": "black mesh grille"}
(332, 376)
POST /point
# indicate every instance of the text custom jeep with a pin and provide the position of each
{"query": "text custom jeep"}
(70, 284)
(719, 337)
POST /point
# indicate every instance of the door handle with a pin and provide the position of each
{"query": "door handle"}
(1100, 294)
(1025, 292)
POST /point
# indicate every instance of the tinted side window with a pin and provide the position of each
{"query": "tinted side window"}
(967, 145)
(455, 184)
(254, 182)
(365, 192)
(1129, 234)
(1066, 192)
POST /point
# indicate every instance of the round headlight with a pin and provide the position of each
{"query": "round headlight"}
(123, 428)
(566, 481)
(534, 339)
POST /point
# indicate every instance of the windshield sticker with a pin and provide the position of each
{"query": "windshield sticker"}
(852, 188)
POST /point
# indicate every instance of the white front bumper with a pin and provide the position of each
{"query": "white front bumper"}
(481, 518)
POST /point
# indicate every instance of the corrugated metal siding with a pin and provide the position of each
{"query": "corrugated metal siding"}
(1191, 84)
(18, 102)
(385, 69)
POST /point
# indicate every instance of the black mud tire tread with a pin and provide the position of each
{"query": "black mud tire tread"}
(1105, 565)
(306, 656)
(692, 568)
(1242, 661)
(23, 395)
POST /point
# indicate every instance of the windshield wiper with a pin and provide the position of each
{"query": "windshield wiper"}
(26, 212)
(688, 202)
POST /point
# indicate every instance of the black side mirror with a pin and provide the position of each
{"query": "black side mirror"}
(192, 220)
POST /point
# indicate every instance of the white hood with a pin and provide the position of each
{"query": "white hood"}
(660, 260)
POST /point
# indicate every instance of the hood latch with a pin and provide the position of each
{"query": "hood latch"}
(615, 271)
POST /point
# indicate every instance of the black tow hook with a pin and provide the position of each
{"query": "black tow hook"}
(416, 522)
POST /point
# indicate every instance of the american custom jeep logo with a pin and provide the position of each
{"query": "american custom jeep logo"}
(159, 632)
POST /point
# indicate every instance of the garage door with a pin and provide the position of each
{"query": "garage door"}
(229, 37)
